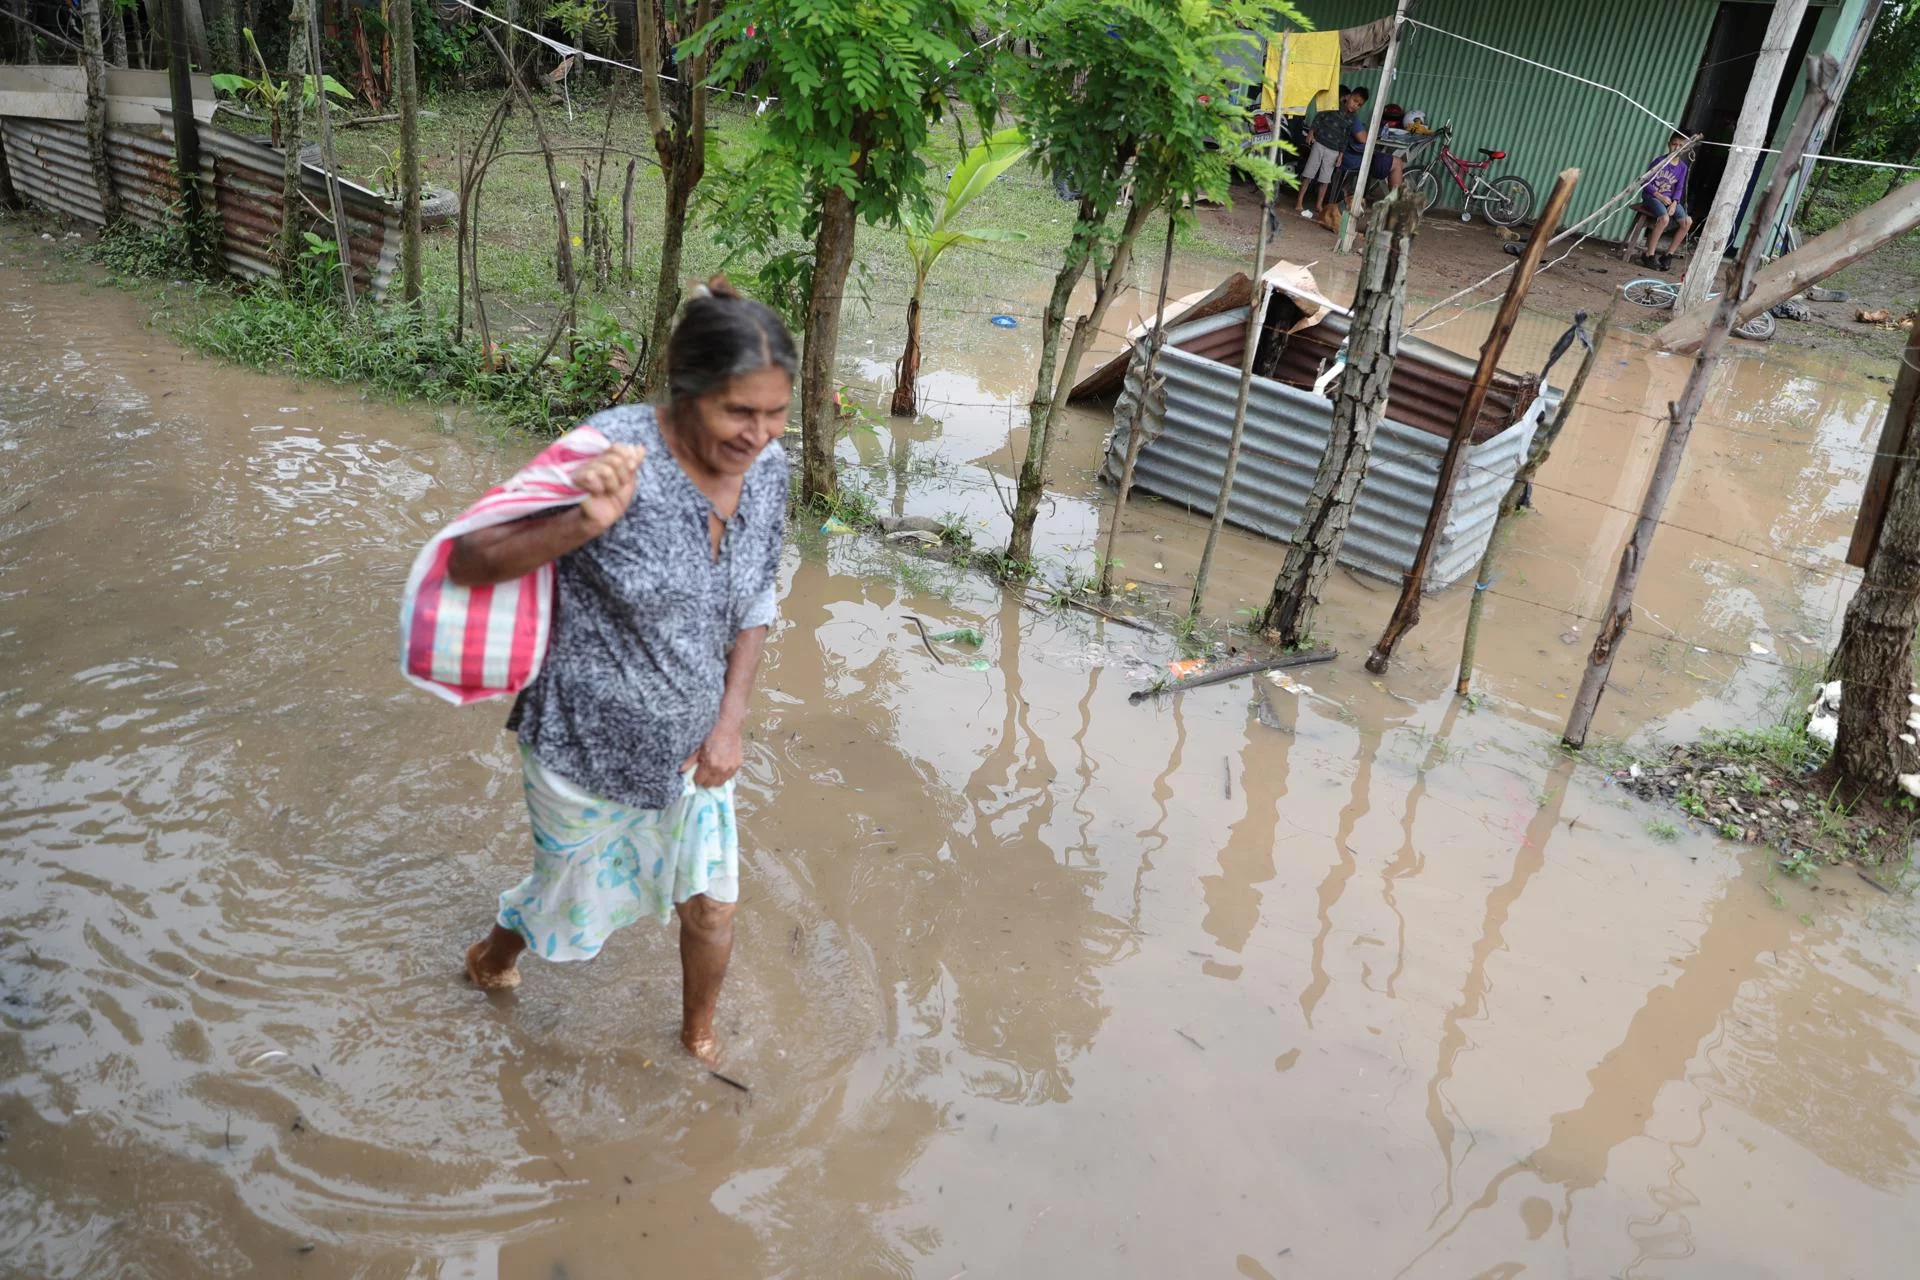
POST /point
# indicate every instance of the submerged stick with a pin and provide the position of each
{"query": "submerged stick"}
(1225, 674)
(927, 640)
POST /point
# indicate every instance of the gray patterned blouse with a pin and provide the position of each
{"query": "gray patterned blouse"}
(644, 618)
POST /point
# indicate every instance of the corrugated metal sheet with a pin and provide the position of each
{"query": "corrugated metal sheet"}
(1286, 435)
(1429, 382)
(1648, 49)
(49, 164)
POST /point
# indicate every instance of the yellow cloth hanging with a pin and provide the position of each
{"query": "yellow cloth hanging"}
(1313, 69)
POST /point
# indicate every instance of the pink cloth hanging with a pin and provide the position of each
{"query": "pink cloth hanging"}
(466, 644)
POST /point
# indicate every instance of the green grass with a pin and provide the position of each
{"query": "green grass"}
(1661, 829)
(1786, 748)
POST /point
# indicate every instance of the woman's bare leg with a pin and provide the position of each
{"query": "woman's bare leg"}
(490, 961)
(706, 942)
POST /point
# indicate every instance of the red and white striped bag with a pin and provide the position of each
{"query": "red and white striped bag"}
(470, 643)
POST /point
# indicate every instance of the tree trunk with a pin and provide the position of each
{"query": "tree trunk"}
(222, 35)
(292, 202)
(92, 34)
(907, 372)
(1065, 281)
(194, 24)
(408, 92)
(681, 145)
(832, 258)
(116, 34)
(667, 284)
(202, 239)
(1033, 470)
(1359, 402)
(1874, 663)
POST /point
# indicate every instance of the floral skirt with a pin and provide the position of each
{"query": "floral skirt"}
(598, 865)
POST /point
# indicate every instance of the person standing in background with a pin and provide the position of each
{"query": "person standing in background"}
(1329, 133)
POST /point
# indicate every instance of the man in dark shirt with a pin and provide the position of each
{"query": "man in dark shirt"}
(1329, 134)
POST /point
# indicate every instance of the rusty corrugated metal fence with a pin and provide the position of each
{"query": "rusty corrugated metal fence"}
(49, 165)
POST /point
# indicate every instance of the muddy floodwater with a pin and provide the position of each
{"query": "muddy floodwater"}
(1348, 979)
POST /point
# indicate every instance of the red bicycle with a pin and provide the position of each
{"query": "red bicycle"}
(1506, 200)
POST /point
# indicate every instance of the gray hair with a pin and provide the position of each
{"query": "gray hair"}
(723, 335)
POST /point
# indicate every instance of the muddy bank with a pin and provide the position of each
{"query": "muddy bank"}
(1346, 978)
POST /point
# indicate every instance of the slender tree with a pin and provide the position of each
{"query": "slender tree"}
(407, 91)
(1130, 103)
(978, 169)
(859, 84)
(291, 199)
(677, 118)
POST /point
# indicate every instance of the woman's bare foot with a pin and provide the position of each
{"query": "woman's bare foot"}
(701, 1044)
(490, 962)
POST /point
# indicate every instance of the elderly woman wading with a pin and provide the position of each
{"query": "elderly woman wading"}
(630, 735)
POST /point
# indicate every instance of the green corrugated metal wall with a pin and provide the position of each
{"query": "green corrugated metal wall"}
(1648, 49)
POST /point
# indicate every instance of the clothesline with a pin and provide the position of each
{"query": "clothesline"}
(761, 101)
(1642, 107)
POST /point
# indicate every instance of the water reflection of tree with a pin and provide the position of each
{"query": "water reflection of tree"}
(1805, 1056)
(994, 939)
(1028, 1000)
(1246, 859)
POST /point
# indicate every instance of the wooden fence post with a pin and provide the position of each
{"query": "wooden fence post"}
(1822, 73)
(1406, 612)
(1543, 441)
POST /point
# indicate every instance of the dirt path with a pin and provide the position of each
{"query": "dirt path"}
(1256, 981)
(1450, 255)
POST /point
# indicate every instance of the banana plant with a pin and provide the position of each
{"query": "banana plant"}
(265, 91)
(926, 241)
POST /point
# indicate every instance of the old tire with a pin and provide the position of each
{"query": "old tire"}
(439, 206)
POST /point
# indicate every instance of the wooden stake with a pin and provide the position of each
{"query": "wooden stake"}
(1822, 73)
(1155, 341)
(342, 234)
(1256, 306)
(1406, 613)
(1542, 445)
(407, 90)
(626, 227)
(1359, 402)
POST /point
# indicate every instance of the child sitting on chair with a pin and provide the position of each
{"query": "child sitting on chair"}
(1662, 200)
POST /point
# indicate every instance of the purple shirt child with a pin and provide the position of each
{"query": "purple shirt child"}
(1668, 183)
